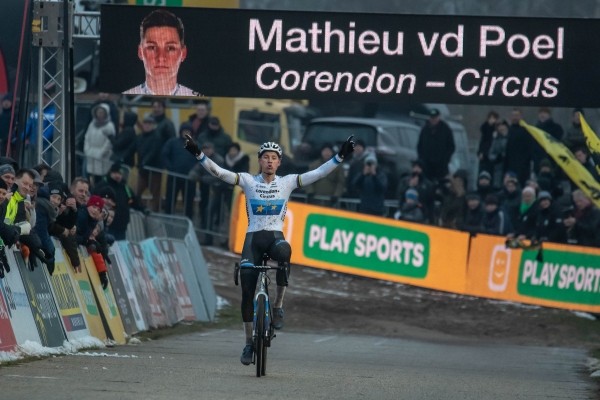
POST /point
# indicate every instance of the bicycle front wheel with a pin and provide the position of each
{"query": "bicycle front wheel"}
(260, 345)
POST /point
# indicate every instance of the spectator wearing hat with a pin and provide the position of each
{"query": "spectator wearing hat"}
(124, 142)
(548, 223)
(124, 199)
(519, 147)
(331, 186)
(484, 184)
(87, 219)
(487, 129)
(164, 126)
(473, 219)
(97, 145)
(371, 186)
(178, 160)
(526, 219)
(216, 135)
(583, 225)
(435, 146)
(547, 180)
(510, 197)
(355, 167)
(410, 210)
(5, 115)
(7, 174)
(47, 205)
(417, 180)
(497, 154)
(453, 205)
(495, 220)
(149, 146)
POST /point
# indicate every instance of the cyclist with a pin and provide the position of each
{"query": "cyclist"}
(267, 195)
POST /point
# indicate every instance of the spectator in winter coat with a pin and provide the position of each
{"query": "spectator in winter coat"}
(235, 161)
(97, 145)
(547, 124)
(510, 198)
(518, 149)
(355, 167)
(487, 130)
(484, 184)
(453, 201)
(216, 135)
(124, 143)
(47, 205)
(548, 223)
(371, 186)
(332, 185)
(574, 137)
(495, 221)
(497, 153)
(87, 220)
(435, 146)
(164, 126)
(149, 146)
(473, 220)
(178, 160)
(125, 200)
(410, 210)
(417, 180)
(199, 120)
(5, 115)
(526, 219)
(583, 227)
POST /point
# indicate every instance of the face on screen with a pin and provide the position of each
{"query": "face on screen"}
(162, 53)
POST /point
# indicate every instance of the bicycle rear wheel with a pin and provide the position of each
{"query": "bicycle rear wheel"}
(261, 346)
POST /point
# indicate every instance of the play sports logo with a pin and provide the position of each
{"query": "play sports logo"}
(499, 269)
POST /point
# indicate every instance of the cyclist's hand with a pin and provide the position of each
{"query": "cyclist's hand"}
(191, 146)
(347, 147)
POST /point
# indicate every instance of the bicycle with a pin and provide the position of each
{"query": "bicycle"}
(262, 327)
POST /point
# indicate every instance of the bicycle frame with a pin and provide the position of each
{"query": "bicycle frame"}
(263, 290)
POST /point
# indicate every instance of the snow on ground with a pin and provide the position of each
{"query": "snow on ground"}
(35, 349)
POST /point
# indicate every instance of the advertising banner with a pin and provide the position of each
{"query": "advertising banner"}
(375, 247)
(105, 299)
(200, 269)
(125, 272)
(66, 299)
(559, 276)
(143, 285)
(351, 56)
(161, 277)
(118, 290)
(191, 283)
(8, 341)
(174, 274)
(41, 301)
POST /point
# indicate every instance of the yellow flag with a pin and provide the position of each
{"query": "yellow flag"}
(567, 162)
(591, 140)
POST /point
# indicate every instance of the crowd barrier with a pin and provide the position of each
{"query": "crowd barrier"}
(561, 276)
(152, 283)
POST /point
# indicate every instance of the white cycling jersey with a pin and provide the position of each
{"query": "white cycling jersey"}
(266, 203)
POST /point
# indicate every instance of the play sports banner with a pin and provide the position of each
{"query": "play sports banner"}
(375, 247)
(561, 276)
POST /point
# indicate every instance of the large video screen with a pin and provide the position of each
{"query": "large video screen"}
(365, 57)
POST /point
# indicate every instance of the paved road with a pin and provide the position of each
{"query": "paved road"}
(304, 366)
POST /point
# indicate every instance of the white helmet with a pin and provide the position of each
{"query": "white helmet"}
(269, 146)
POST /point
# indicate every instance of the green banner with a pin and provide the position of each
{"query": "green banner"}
(88, 297)
(560, 276)
(368, 246)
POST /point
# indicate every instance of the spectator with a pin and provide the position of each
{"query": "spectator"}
(487, 130)
(355, 167)
(97, 146)
(332, 186)
(104, 98)
(583, 226)
(87, 220)
(484, 184)
(495, 221)
(208, 219)
(216, 135)
(149, 145)
(574, 137)
(510, 197)
(548, 223)
(371, 186)
(453, 201)
(7, 174)
(547, 124)
(4, 266)
(410, 209)
(518, 149)
(235, 161)
(435, 146)
(47, 205)
(424, 187)
(178, 160)
(125, 200)
(526, 219)
(199, 120)
(164, 126)
(473, 220)
(583, 155)
(547, 180)
(5, 116)
(497, 154)
(124, 143)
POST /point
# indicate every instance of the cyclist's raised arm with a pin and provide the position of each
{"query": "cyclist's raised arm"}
(312, 176)
(209, 165)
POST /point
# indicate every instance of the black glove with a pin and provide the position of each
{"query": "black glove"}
(12, 236)
(110, 239)
(191, 146)
(1, 270)
(3, 259)
(347, 147)
(103, 279)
